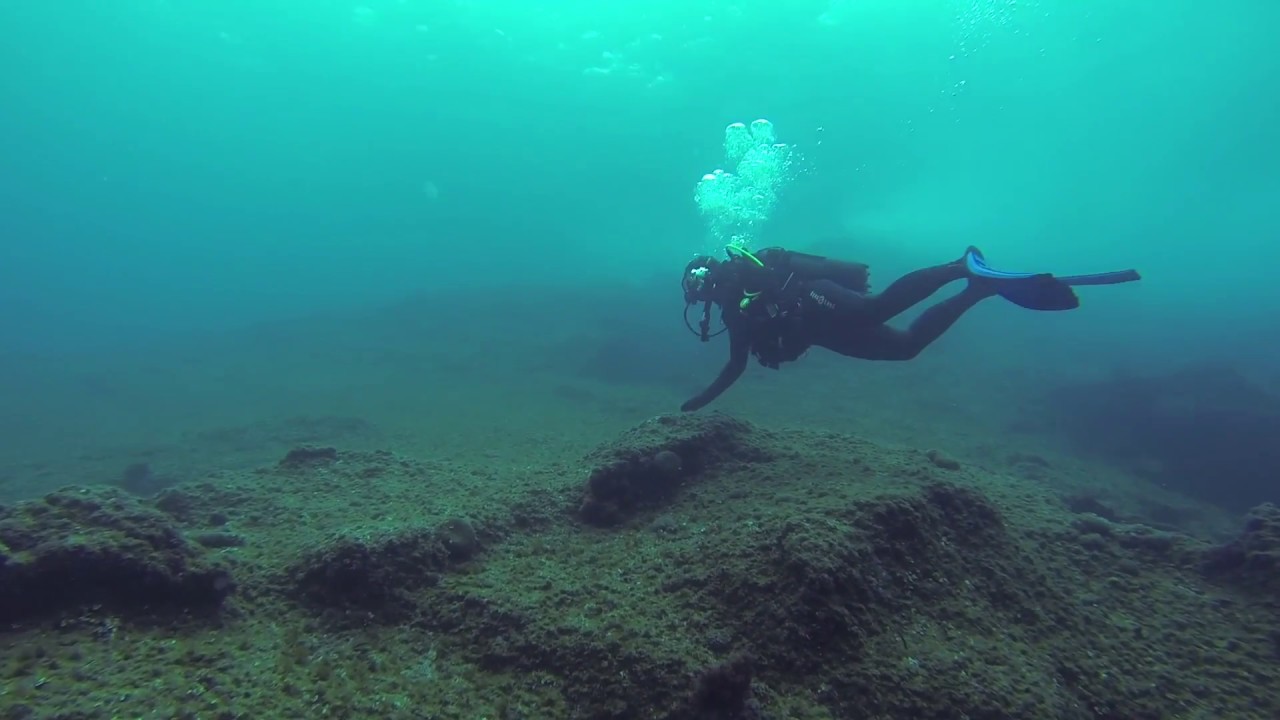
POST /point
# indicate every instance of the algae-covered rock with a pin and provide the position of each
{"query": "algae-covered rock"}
(301, 458)
(644, 467)
(459, 538)
(722, 692)
(100, 546)
(379, 572)
(821, 586)
(1253, 559)
(1207, 431)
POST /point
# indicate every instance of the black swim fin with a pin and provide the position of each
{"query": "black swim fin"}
(1039, 292)
(1034, 291)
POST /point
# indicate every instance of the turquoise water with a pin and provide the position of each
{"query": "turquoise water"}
(246, 159)
(172, 170)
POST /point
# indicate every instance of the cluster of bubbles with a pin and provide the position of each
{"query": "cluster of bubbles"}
(976, 22)
(735, 203)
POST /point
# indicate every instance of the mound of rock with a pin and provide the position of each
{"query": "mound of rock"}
(1206, 431)
(647, 464)
(1253, 559)
(377, 574)
(722, 692)
(100, 546)
(822, 586)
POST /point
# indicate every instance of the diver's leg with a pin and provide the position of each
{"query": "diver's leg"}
(913, 288)
(881, 342)
(877, 308)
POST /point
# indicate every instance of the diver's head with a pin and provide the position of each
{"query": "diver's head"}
(699, 279)
(699, 286)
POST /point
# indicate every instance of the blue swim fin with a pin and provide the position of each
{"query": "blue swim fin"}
(1114, 277)
(1039, 291)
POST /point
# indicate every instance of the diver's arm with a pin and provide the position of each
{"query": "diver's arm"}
(739, 347)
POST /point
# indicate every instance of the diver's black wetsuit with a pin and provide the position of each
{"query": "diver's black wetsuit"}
(797, 301)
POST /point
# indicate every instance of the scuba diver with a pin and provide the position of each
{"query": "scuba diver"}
(777, 303)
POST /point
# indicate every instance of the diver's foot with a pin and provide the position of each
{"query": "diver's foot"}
(1034, 291)
(975, 263)
(1039, 292)
(982, 287)
(978, 285)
